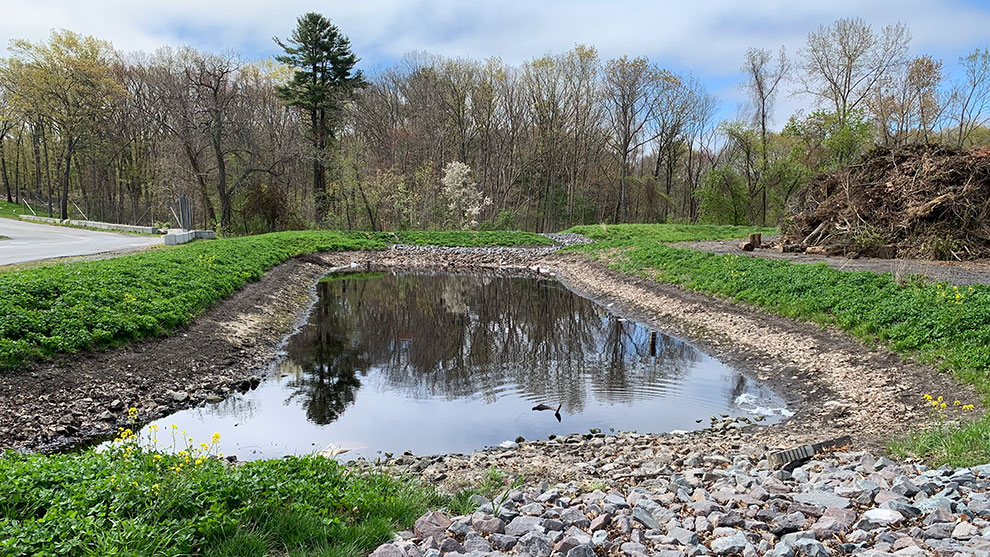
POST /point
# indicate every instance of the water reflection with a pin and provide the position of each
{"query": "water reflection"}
(459, 336)
(454, 362)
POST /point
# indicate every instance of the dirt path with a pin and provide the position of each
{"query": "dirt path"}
(834, 384)
(954, 272)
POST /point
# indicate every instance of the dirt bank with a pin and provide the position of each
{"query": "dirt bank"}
(833, 383)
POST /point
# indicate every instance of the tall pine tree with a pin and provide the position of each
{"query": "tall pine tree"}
(322, 84)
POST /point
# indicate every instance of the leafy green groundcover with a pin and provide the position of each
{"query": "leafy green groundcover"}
(129, 501)
(945, 325)
(626, 233)
(67, 308)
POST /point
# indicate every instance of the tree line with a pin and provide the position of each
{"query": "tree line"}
(306, 140)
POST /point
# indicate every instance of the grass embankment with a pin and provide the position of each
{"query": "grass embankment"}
(129, 501)
(944, 325)
(67, 308)
(11, 210)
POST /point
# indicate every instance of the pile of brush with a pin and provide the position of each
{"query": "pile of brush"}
(921, 201)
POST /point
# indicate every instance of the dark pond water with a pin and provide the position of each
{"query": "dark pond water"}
(454, 363)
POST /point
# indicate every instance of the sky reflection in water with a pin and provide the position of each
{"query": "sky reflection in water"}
(455, 362)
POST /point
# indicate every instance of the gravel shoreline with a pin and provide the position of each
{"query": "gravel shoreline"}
(711, 493)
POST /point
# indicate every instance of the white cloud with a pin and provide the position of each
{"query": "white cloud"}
(706, 37)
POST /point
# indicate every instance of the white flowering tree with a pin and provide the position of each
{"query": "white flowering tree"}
(464, 197)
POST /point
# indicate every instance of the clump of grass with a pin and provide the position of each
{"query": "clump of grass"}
(494, 486)
(953, 438)
(132, 500)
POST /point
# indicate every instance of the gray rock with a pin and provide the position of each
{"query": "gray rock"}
(828, 526)
(965, 531)
(548, 496)
(904, 486)
(879, 518)
(534, 544)
(730, 519)
(781, 550)
(388, 550)
(728, 545)
(450, 545)
(599, 537)
(793, 537)
(617, 500)
(644, 517)
(810, 548)
(431, 525)
(583, 550)
(906, 510)
(822, 499)
(487, 526)
(785, 524)
(683, 536)
(600, 522)
(532, 509)
(929, 505)
(524, 524)
(633, 548)
(502, 542)
(574, 517)
(458, 528)
(474, 542)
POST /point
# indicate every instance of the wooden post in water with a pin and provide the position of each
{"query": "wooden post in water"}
(653, 343)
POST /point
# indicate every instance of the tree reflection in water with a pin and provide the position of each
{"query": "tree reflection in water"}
(457, 336)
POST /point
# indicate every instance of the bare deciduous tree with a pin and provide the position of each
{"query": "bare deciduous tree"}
(845, 61)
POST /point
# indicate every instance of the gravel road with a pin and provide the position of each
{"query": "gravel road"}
(954, 272)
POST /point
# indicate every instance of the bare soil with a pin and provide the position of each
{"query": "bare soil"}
(833, 383)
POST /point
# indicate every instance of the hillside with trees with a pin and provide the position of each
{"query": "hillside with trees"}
(306, 139)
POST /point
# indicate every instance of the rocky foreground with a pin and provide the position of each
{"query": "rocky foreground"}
(670, 495)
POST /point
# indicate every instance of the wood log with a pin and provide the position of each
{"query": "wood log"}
(746, 246)
(756, 240)
(816, 234)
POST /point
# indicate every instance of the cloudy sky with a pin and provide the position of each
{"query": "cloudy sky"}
(706, 37)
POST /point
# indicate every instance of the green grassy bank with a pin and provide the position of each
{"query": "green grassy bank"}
(129, 501)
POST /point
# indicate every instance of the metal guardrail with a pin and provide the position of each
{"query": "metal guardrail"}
(93, 224)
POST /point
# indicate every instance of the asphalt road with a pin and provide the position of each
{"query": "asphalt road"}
(28, 241)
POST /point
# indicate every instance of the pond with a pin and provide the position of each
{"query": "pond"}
(441, 363)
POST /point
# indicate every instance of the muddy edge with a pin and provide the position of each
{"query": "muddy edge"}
(834, 384)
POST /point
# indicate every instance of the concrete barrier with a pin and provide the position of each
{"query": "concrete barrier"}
(94, 224)
(176, 237)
